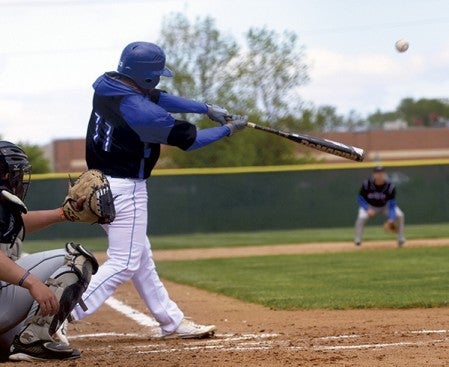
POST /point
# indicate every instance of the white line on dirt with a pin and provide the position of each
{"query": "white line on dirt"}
(243, 340)
(103, 335)
(337, 337)
(133, 314)
(368, 346)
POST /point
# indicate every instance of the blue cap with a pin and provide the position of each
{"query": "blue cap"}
(143, 62)
(379, 169)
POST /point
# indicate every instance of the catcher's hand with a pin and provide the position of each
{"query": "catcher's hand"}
(390, 227)
(89, 199)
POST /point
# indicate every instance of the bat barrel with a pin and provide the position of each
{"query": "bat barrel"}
(323, 145)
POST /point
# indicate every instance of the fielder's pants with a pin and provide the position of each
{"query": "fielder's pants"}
(130, 258)
(363, 217)
(16, 302)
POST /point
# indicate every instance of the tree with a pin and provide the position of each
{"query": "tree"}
(271, 70)
(36, 157)
(423, 112)
(210, 66)
(200, 55)
(379, 118)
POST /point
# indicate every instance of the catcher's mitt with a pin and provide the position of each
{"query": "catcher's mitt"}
(390, 227)
(89, 199)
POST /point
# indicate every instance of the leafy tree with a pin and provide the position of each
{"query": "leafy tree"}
(270, 71)
(36, 157)
(423, 112)
(200, 55)
(379, 118)
(210, 66)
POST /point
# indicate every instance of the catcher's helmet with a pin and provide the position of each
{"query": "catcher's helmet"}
(15, 169)
(143, 62)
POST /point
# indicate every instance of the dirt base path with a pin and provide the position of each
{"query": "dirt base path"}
(252, 335)
(303, 248)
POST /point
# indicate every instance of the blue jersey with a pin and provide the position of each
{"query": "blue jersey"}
(378, 196)
(126, 128)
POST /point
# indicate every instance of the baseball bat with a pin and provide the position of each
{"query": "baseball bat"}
(323, 145)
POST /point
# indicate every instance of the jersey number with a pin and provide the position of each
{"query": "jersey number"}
(103, 132)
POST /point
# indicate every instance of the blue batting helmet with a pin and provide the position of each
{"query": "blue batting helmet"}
(143, 62)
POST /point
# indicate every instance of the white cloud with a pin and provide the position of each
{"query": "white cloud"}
(365, 82)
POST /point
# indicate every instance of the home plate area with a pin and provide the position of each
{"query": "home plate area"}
(257, 342)
(121, 333)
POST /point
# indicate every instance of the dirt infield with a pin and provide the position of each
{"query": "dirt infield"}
(252, 335)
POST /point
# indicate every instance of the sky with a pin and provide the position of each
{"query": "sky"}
(53, 50)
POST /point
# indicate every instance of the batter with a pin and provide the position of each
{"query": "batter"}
(129, 121)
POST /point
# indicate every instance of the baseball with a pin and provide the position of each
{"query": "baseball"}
(401, 45)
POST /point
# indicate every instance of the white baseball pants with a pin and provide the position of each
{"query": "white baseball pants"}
(362, 217)
(130, 258)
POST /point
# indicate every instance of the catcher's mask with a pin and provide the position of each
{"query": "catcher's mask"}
(15, 169)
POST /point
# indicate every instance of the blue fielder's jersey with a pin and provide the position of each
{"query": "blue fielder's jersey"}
(377, 196)
(127, 127)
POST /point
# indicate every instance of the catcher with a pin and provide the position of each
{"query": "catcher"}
(378, 196)
(37, 292)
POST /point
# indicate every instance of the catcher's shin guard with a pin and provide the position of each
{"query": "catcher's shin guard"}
(83, 264)
(68, 284)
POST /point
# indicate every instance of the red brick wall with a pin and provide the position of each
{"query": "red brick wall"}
(396, 144)
(69, 155)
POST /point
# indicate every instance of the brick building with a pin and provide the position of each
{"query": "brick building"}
(67, 155)
(419, 143)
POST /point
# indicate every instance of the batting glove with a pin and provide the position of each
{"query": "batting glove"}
(237, 123)
(217, 113)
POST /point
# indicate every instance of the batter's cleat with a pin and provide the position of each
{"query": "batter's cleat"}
(41, 351)
(190, 330)
(401, 243)
(61, 334)
(357, 244)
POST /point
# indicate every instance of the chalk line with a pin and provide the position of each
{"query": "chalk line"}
(137, 316)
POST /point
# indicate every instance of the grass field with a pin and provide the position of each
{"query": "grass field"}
(395, 278)
(203, 240)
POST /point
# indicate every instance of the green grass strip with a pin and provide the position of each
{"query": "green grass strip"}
(209, 240)
(396, 278)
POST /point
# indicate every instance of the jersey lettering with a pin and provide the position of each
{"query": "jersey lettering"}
(103, 132)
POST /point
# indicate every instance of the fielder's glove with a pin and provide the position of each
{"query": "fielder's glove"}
(89, 199)
(390, 227)
(236, 123)
(217, 113)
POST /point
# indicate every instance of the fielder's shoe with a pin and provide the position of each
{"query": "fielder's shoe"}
(41, 351)
(61, 334)
(357, 244)
(190, 330)
(401, 243)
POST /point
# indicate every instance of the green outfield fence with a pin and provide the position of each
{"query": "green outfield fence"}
(263, 198)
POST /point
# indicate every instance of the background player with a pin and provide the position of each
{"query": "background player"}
(378, 196)
(37, 292)
(129, 121)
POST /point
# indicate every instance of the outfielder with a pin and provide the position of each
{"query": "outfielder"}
(378, 196)
(129, 122)
(37, 292)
